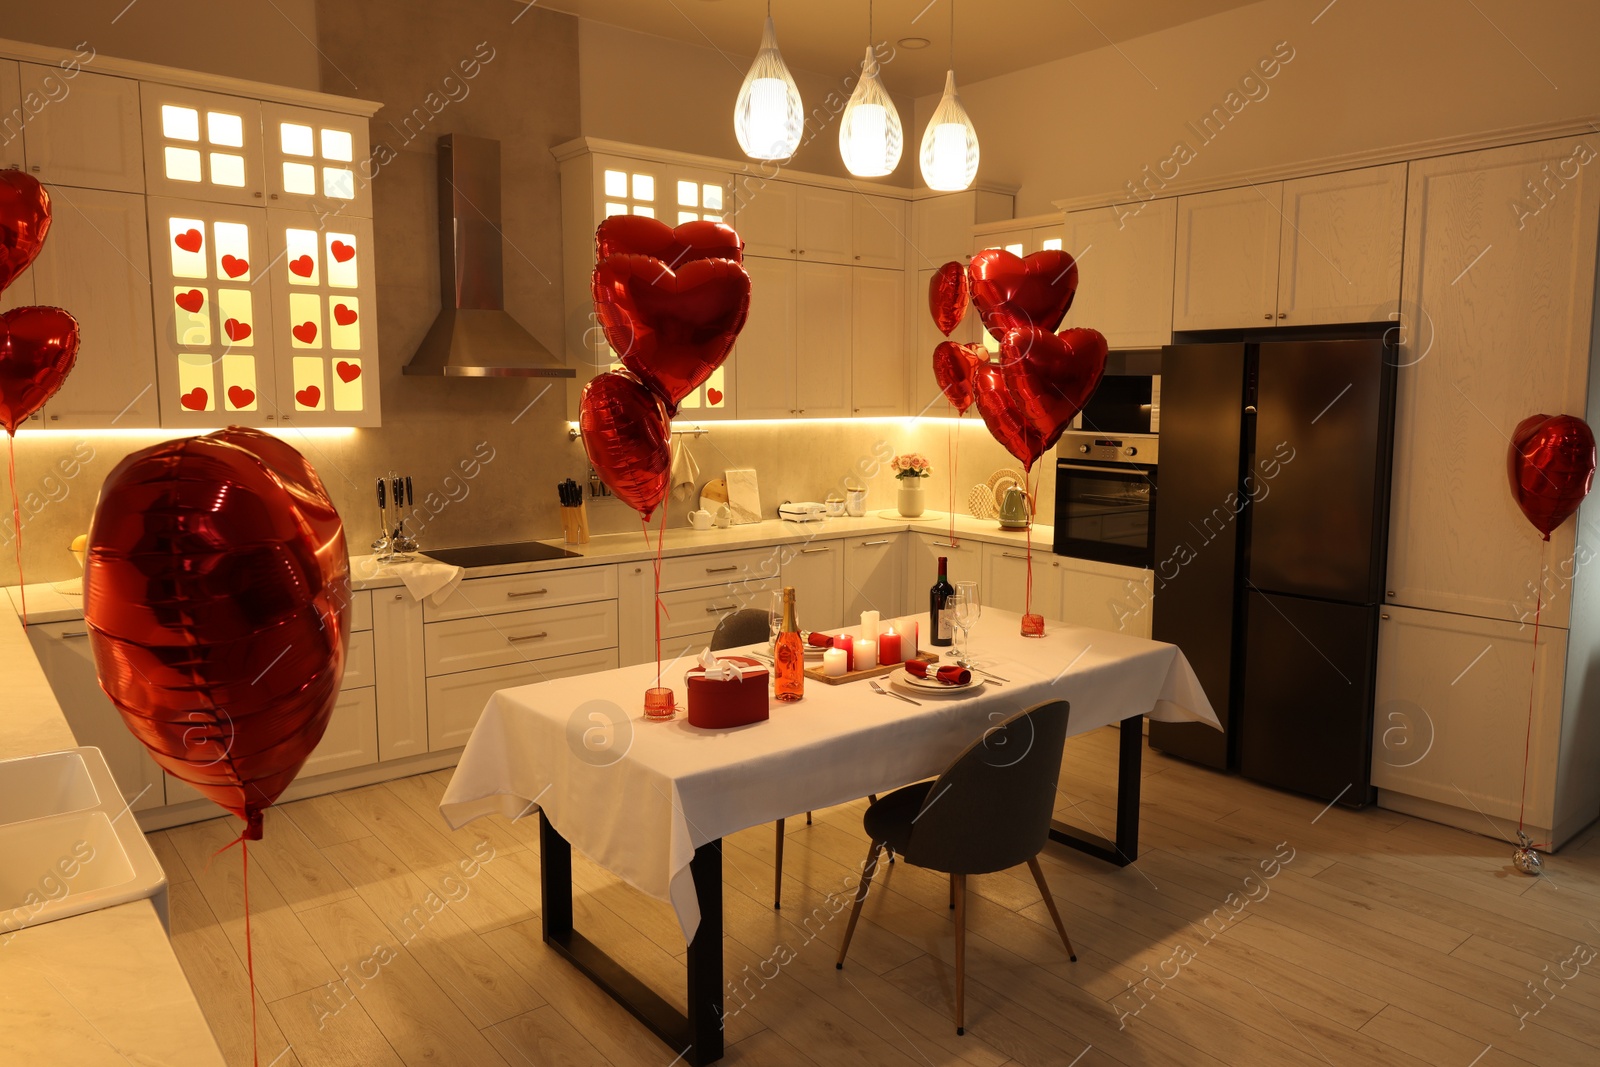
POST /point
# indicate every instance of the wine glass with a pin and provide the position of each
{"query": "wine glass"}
(774, 620)
(965, 610)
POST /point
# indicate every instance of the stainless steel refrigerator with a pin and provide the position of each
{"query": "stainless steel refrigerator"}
(1271, 538)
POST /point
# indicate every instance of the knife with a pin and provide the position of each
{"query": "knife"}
(411, 497)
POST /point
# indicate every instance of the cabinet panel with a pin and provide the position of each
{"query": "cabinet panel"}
(313, 160)
(816, 571)
(880, 231)
(202, 146)
(875, 576)
(351, 739)
(877, 348)
(966, 563)
(1340, 247)
(823, 224)
(517, 592)
(13, 118)
(360, 669)
(398, 655)
(87, 135)
(1499, 307)
(1107, 597)
(941, 229)
(96, 264)
(496, 640)
(1227, 258)
(766, 348)
(456, 701)
(766, 221)
(691, 611)
(1004, 583)
(719, 568)
(822, 340)
(1125, 273)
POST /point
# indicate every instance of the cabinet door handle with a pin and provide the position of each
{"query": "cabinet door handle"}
(528, 637)
(1385, 615)
(813, 551)
(722, 570)
(399, 596)
(1013, 555)
(74, 633)
(513, 594)
(713, 609)
(869, 544)
(1283, 314)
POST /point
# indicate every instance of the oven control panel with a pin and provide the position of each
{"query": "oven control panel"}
(1138, 449)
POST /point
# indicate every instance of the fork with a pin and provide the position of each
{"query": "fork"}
(876, 688)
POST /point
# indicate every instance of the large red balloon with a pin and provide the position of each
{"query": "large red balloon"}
(621, 235)
(1042, 380)
(38, 346)
(1551, 463)
(955, 368)
(1010, 292)
(628, 437)
(947, 296)
(24, 221)
(216, 592)
(672, 329)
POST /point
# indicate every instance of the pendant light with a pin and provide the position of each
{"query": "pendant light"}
(869, 132)
(949, 155)
(767, 117)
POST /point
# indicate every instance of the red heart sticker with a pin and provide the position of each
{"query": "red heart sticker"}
(189, 240)
(236, 330)
(306, 332)
(341, 252)
(714, 397)
(1013, 293)
(24, 221)
(233, 266)
(621, 235)
(194, 399)
(343, 315)
(301, 266)
(955, 368)
(191, 301)
(348, 372)
(37, 348)
(309, 396)
(1042, 380)
(240, 397)
(671, 329)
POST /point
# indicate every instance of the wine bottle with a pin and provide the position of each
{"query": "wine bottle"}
(940, 630)
(789, 655)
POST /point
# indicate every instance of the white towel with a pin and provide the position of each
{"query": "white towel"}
(425, 578)
(685, 473)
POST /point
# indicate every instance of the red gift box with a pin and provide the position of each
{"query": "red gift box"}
(716, 703)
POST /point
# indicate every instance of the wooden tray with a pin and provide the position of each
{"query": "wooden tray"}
(815, 673)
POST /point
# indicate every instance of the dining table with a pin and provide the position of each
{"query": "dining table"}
(651, 801)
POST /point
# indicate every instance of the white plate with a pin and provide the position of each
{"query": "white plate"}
(931, 686)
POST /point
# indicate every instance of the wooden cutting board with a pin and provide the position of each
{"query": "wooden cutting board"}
(714, 495)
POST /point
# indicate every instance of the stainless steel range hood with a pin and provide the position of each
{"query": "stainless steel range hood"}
(474, 337)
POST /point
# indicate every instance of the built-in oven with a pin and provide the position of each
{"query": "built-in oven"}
(1106, 497)
(1128, 400)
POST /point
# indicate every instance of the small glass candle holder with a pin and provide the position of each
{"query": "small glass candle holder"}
(1032, 625)
(659, 704)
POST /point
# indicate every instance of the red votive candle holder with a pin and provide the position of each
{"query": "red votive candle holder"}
(1032, 625)
(659, 704)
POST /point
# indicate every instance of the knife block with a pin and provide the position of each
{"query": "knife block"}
(575, 525)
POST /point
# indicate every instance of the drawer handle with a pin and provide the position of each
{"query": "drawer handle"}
(1013, 555)
(721, 570)
(513, 594)
(713, 609)
(813, 551)
(869, 544)
(528, 637)
(74, 633)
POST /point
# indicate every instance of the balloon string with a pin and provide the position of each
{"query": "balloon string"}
(1533, 681)
(659, 606)
(249, 953)
(950, 444)
(1027, 596)
(16, 520)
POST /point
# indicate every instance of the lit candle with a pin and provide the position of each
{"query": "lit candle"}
(846, 644)
(889, 649)
(835, 662)
(866, 654)
(869, 625)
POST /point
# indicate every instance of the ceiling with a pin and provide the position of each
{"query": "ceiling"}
(829, 36)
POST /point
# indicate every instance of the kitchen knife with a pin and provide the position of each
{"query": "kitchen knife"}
(381, 504)
(411, 498)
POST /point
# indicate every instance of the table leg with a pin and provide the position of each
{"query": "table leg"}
(695, 1038)
(1130, 761)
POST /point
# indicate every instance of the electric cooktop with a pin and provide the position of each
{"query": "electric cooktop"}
(497, 555)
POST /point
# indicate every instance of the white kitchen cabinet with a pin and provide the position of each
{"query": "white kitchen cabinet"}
(1227, 258)
(1125, 272)
(1340, 246)
(13, 118)
(1104, 596)
(922, 564)
(536, 633)
(1004, 584)
(698, 591)
(95, 264)
(877, 346)
(456, 701)
(519, 592)
(1048, 238)
(1498, 315)
(202, 146)
(941, 225)
(795, 351)
(68, 661)
(875, 576)
(765, 351)
(351, 738)
(87, 133)
(879, 236)
(398, 654)
(816, 571)
(766, 219)
(311, 159)
(824, 222)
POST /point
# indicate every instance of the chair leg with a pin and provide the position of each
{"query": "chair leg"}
(808, 818)
(958, 883)
(861, 896)
(1050, 902)
(777, 871)
(872, 798)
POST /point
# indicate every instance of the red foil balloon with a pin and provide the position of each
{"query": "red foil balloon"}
(38, 346)
(216, 592)
(622, 235)
(1012, 293)
(1042, 380)
(947, 297)
(955, 368)
(672, 329)
(1551, 463)
(628, 437)
(24, 221)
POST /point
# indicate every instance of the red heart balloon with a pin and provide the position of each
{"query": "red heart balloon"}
(38, 346)
(947, 297)
(1551, 463)
(624, 235)
(24, 221)
(671, 329)
(1010, 292)
(216, 592)
(955, 368)
(628, 437)
(1042, 380)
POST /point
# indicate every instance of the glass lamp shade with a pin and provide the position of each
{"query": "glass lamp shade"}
(949, 155)
(869, 132)
(767, 117)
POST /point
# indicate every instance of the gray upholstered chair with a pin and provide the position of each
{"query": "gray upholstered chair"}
(989, 811)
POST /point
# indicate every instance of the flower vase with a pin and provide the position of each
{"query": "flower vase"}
(912, 498)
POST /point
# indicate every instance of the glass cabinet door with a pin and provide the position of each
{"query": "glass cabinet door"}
(202, 146)
(316, 160)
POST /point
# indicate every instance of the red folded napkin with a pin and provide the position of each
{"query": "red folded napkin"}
(818, 639)
(951, 675)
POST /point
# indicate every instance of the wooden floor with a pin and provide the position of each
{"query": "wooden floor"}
(383, 938)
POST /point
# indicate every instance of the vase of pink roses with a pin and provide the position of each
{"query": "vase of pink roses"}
(909, 471)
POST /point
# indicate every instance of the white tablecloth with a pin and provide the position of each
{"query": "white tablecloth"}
(639, 797)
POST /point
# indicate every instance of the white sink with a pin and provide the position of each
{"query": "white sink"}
(68, 843)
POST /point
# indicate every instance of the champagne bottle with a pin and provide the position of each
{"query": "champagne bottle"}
(789, 655)
(940, 630)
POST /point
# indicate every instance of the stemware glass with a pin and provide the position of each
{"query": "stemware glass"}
(965, 610)
(774, 620)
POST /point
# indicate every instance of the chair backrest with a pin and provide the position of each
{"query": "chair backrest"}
(991, 809)
(743, 627)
